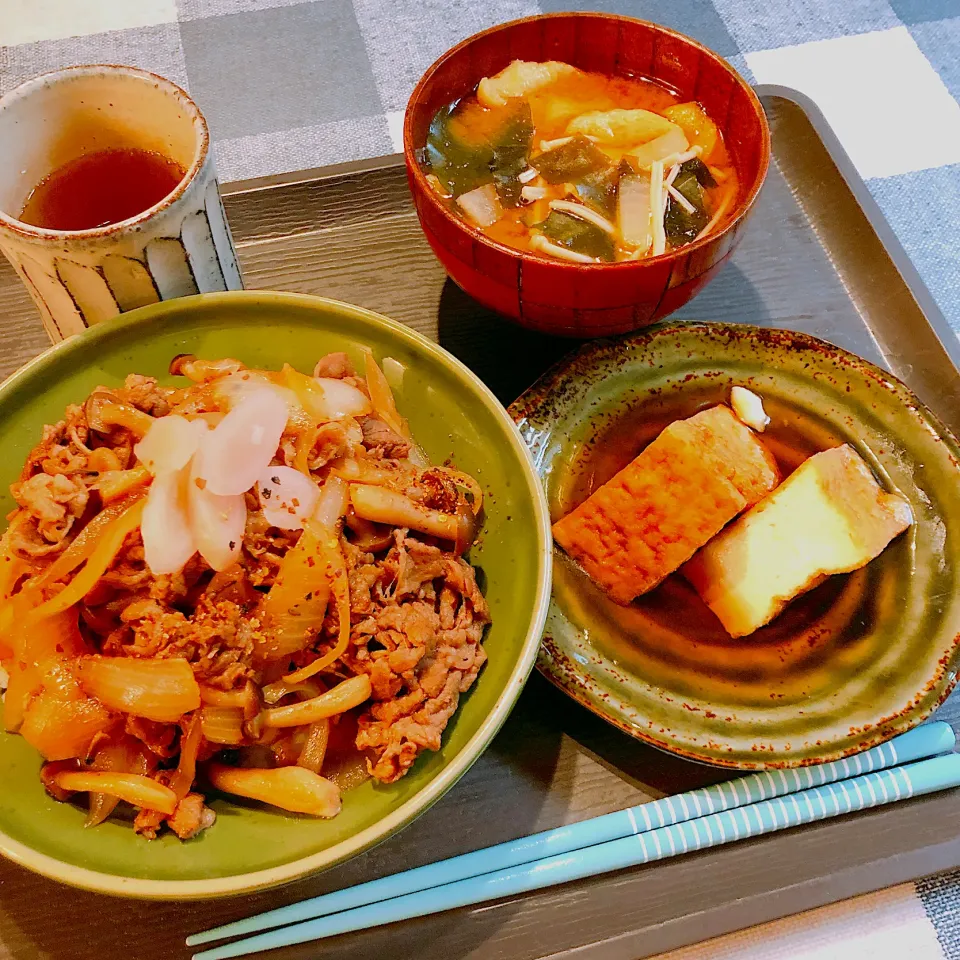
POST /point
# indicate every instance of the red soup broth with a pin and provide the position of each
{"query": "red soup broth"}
(467, 133)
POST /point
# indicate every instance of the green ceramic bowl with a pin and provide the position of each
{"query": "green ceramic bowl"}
(452, 414)
(861, 658)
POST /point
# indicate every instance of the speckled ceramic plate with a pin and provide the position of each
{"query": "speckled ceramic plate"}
(453, 415)
(861, 658)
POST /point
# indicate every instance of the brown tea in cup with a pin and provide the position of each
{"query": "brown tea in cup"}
(97, 189)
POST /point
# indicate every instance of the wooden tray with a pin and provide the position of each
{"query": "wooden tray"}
(817, 257)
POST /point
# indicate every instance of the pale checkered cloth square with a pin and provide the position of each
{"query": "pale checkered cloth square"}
(290, 85)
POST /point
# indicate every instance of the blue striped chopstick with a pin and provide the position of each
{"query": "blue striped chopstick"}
(752, 820)
(924, 741)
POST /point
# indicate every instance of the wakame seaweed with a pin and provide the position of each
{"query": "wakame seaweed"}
(588, 168)
(680, 225)
(457, 166)
(511, 154)
(599, 190)
(572, 161)
(462, 166)
(581, 236)
(687, 184)
(700, 170)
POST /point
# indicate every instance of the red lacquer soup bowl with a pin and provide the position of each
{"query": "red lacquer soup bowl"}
(594, 299)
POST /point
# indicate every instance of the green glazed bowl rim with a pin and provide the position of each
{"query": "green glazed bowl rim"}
(101, 882)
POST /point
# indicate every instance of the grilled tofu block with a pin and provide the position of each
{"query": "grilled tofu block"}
(829, 516)
(650, 518)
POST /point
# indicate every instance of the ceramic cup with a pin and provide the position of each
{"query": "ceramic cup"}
(179, 246)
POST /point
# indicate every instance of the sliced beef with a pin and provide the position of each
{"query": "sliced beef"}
(419, 640)
(217, 640)
(146, 394)
(191, 816)
(330, 442)
(54, 502)
(336, 365)
(381, 440)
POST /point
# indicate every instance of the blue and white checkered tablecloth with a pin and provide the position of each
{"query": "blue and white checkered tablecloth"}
(288, 85)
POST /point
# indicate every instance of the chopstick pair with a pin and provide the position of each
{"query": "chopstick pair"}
(712, 816)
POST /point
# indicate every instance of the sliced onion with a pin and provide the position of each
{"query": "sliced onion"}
(212, 418)
(124, 755)
(246, 698)
(104, 411)
(136, 789)
(230, 391)
(354, 431)
(467, 528)
(332, 503)
(393, 370)
(315, 749)
(217, 523)
(381, 473)
(191, 740)
(222, 724)
(169, 444)
(202, 371)
(292, 613)
(749, 409)
(384, 405)
(326, 398)
(103, 460)
(287, 496)
(369, 537)
(276, 691)
(168, 541)
(464, 480)
(303, 448)
(340, 584)
(118, 484)
(347, 771)
(633, 212)
(241, 447)
(343, 399)
(481, 205)
(418, 456)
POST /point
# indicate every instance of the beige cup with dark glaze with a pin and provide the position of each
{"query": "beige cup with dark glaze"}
(177, 247)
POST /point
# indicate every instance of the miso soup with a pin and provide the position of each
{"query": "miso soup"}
(581, 166)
